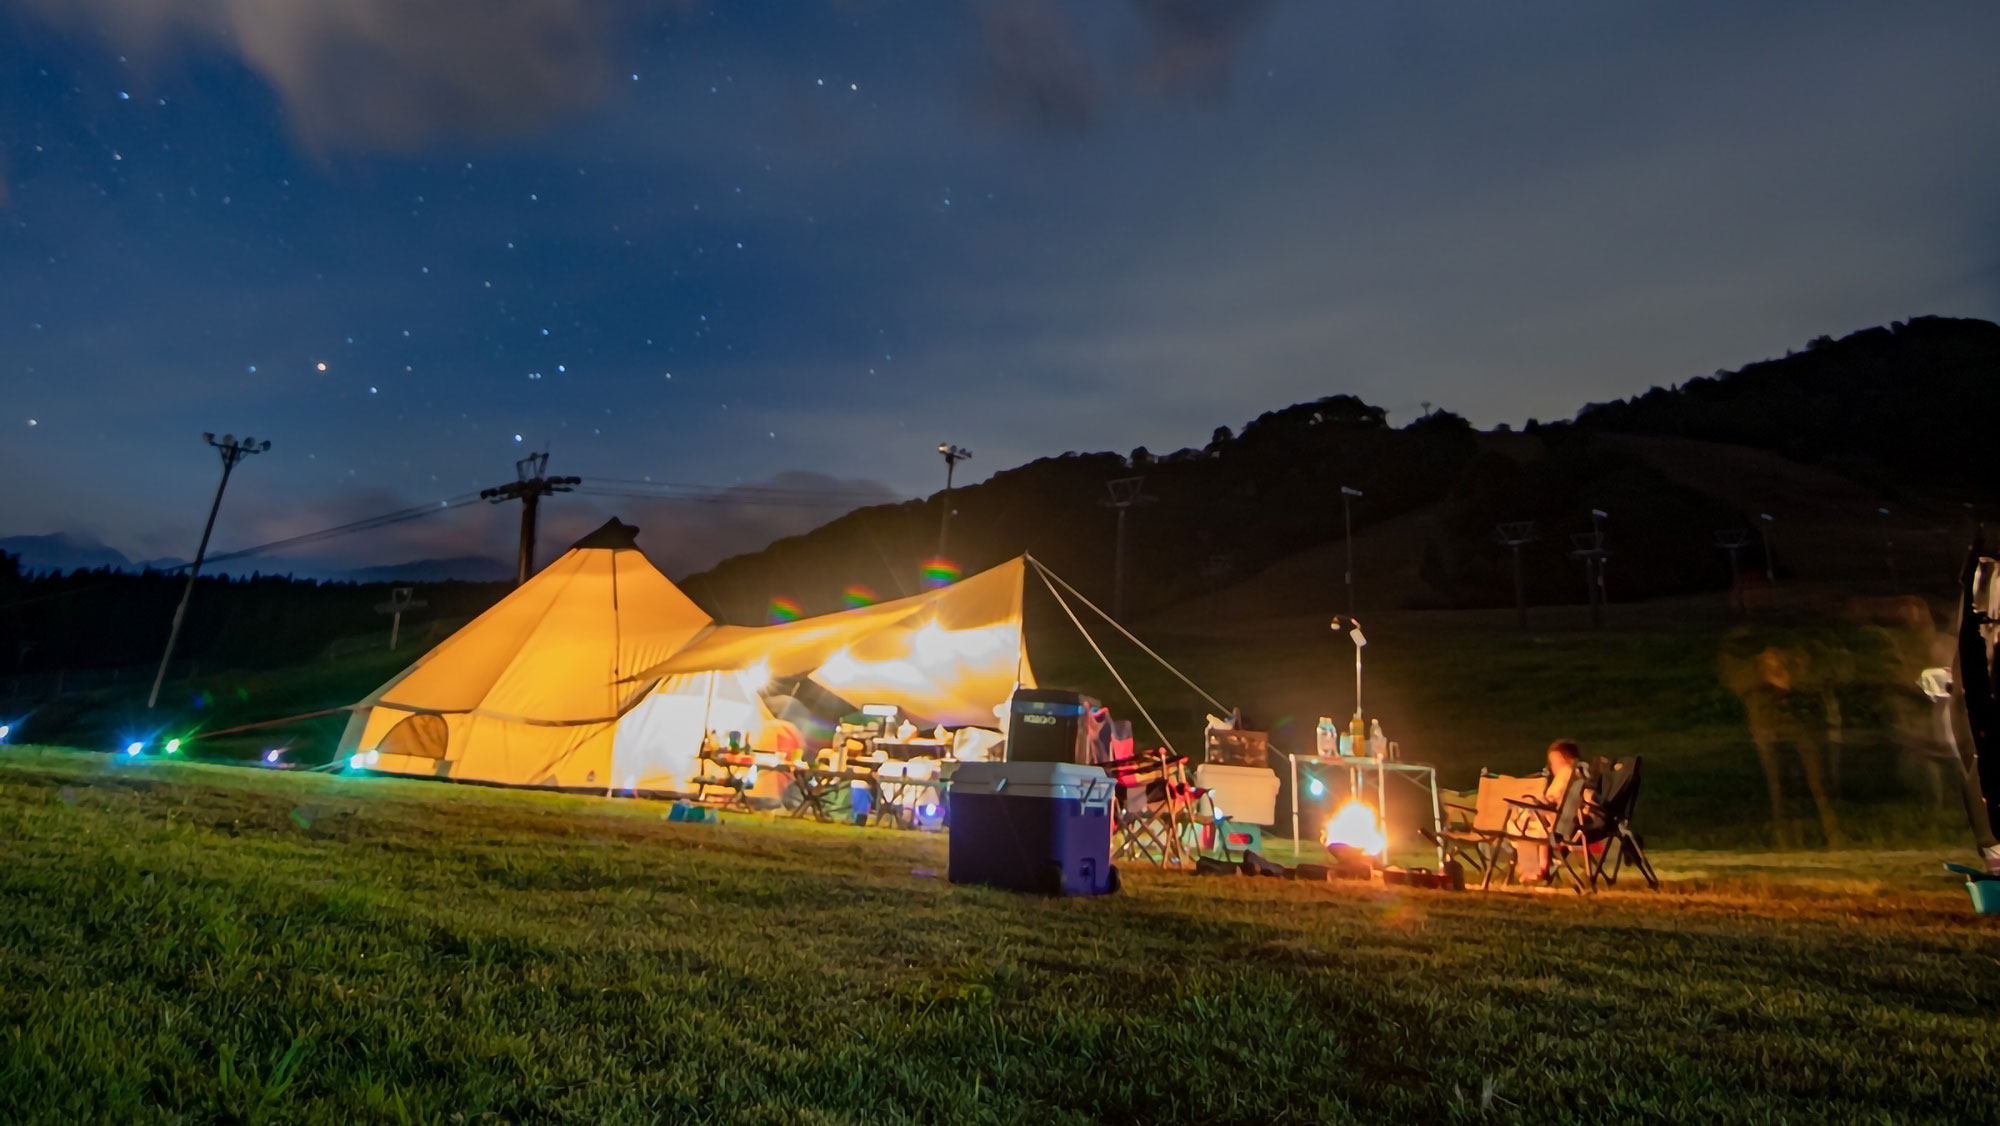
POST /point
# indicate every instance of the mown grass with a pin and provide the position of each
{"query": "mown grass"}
(190, 943)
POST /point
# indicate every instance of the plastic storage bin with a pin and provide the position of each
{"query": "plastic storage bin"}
(1248, 794)
(1032, 826)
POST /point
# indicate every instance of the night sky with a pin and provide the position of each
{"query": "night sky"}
(720, 243)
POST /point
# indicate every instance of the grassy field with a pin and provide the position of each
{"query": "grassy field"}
(192, 943)
(1460, 689)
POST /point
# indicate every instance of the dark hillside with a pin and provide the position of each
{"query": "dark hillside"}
(1911, 405)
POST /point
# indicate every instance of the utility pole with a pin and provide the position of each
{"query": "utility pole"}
(1733, 541)
(529, 487)
(952, 456)
(1888, 550)
(400, 599)
(1124, 494)
(1516, 536)
(1347, 498)
(232, 452)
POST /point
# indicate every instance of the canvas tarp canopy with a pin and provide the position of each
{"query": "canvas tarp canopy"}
(599, 672)
(531, 691)
(949, 656)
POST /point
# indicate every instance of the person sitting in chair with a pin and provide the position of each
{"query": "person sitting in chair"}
(1531, 861)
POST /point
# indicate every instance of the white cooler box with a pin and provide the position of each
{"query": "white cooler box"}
(1248, 794)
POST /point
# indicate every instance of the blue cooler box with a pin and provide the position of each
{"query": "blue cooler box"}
(1032, 826)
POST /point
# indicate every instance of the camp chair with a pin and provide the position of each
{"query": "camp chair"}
(1476, 836)
(1617, 794)
(1556, 826)
(1155, 808)
(725, 776)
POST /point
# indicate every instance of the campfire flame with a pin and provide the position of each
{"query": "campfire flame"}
(1356, 826)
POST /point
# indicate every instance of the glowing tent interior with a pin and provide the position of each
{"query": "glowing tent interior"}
(599, 673)
(531, 691)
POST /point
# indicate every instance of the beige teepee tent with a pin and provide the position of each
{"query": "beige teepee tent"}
(599, 673)
(532, 691)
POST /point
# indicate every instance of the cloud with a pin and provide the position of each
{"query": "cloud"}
(1037, 74)
(1194, 43)
(365, 74)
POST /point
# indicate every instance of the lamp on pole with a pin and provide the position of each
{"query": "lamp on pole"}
(1347, 498)
(1360, 641)
(232, 451)
(952, 456)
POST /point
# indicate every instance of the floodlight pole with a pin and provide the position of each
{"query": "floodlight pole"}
(952, 456)
(232, 452)
(1347, 497)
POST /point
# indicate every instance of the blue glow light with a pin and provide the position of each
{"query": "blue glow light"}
(272, 755)
(1316, 788)
(133, 749)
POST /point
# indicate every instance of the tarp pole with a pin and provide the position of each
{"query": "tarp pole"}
(1164, 741)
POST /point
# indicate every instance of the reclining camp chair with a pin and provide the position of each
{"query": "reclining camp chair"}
(1155, 808)
(1617, 794)
(1476, 837)
(1556, 826)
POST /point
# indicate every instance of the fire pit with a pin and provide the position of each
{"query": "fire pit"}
(1354, 837)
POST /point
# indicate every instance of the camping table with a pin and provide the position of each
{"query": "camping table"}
(817, 788)
(901, 794)
(1421, 775)
(738, 772)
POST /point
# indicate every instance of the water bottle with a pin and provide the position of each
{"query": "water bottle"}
(1378, 743)
(1326, 740)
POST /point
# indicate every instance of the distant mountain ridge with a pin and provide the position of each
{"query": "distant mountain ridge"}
(1905, 408)
(63, 552)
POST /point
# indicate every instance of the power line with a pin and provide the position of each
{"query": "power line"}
(716, 498)
(400, 516)
(688, 486)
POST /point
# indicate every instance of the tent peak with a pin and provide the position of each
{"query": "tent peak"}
(615, 535)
